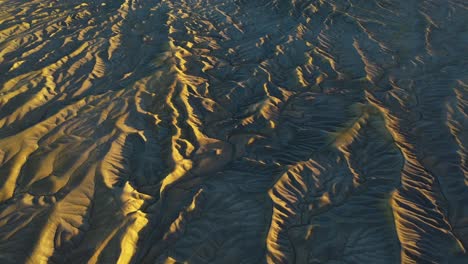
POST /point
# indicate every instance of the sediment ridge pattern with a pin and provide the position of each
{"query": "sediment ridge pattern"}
(233, 131)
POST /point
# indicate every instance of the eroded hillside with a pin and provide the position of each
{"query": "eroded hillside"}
(233, 131)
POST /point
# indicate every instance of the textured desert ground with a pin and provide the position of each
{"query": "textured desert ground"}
(234, 131)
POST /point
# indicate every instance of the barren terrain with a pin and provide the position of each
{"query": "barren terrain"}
(233, 131)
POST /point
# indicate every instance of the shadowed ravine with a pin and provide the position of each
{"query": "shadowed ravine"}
(233, 131)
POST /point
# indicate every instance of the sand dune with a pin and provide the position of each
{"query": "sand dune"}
(233, 131)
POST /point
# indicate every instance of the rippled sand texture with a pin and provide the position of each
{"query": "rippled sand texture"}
(224, 131)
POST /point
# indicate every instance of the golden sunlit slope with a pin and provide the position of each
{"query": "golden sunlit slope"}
(233, 131)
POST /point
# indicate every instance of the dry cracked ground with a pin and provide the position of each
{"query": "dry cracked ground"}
(233, 131)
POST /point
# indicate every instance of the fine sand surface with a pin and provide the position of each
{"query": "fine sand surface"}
(233, 131)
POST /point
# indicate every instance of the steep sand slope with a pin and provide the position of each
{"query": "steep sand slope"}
(233, 131)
